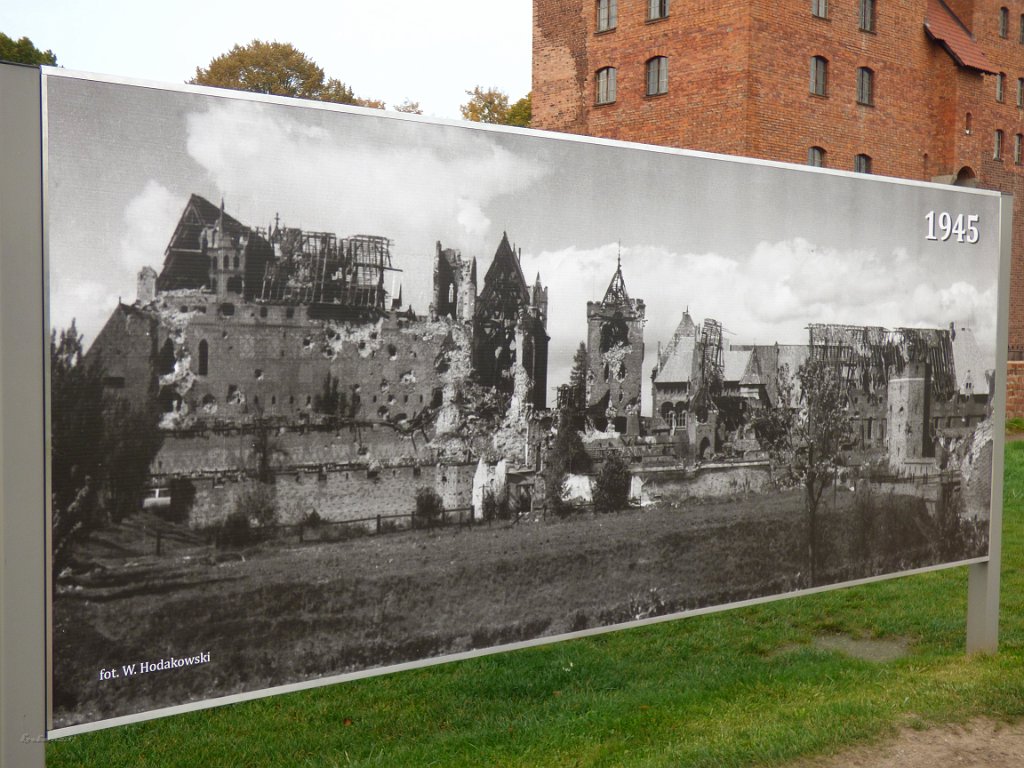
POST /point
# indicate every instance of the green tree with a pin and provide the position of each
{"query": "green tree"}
(491, 105)
(409, 107)
(279, 69)
(520, 114)
(22, 51)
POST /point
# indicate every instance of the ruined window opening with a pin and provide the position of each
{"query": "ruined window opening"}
(606, 372)
(291, 399)
(234, 284)
(232, 390)
(256, 401)
(227, 309)
(204, 358)
(416, 471)
(263, 311)
(289, 312)
(236, 262)
(309, 400)
(273, 399)
(259, 373)
(167, 359)
(622, 371)
(113, 382)
(392, 351)
(225, 261)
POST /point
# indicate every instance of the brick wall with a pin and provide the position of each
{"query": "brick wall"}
(1015, 390)
(739, 84)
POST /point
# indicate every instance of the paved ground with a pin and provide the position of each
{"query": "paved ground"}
(978, 744)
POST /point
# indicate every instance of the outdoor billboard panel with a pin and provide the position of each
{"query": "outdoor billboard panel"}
(335, 390)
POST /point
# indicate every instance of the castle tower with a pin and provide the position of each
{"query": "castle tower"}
(615, 354)
(509, 328)
(454, 285)
(907, 437)
(227, 258)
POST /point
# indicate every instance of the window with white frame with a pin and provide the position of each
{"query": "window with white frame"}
(607, 14)
(657, 9)
(657, 75)
(819, 75)
(819, 8)
(606, 85)
(865, 86)
(867, 15)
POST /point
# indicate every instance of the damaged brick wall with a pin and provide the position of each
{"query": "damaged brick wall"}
(338, 494)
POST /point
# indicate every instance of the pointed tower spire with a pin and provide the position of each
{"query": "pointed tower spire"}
(616, 293)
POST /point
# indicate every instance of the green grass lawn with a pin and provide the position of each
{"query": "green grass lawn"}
(743, 688)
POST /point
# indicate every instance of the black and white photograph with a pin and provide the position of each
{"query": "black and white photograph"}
(333, 390)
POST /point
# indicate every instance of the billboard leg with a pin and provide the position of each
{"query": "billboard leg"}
(983, 608)
(22, 500)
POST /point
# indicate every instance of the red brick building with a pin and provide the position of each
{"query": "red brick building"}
(920, 89)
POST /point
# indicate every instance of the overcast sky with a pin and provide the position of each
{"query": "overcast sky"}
(765, 249)
(403, 49)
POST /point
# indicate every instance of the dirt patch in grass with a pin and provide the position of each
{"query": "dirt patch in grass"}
(877, 650)
(978, 744)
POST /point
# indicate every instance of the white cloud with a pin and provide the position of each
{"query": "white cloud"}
(771, 295)
(149, 220)
(265, 162)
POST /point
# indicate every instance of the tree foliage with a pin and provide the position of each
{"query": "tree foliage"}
(279, 69)
(429, 508)
(23, 51)
(611, 486)
(491, 105)
(565, 454)
(100, 452)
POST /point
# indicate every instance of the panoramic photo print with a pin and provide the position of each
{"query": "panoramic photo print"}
(333, 390)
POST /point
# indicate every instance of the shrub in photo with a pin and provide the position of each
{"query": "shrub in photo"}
(429, 508)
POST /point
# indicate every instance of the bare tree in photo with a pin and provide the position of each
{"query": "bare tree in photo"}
(805, 438)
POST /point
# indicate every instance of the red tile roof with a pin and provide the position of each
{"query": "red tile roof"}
(943, 26)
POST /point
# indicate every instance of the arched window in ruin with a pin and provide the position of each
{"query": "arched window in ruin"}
(204, 358)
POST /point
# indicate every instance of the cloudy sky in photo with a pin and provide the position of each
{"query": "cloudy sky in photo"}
(765, 249)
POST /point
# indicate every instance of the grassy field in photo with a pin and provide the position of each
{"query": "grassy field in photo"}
(753, 686)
